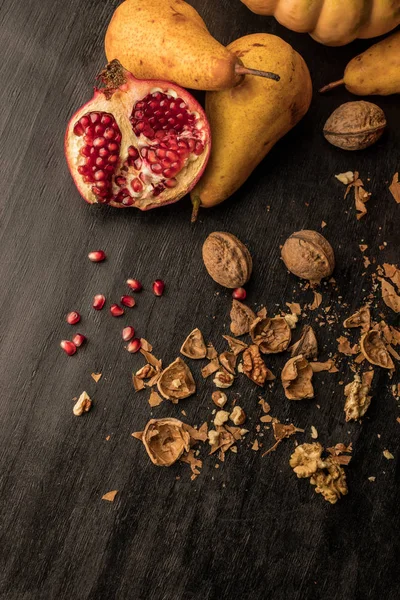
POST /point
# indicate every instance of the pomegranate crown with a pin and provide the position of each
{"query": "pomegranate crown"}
(112, 77)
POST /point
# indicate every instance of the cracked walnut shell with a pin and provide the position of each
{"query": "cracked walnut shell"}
(241, 318)
(165, 441)
(374, 349)
(308, 255)
(361, 318)
(227, 259)
(271, 335)
(194, 346)
(307, 345)
(296, 378)
(176, 381)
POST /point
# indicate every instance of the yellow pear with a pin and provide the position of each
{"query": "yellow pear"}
(375, 71)
(160, 39)
(247, 120)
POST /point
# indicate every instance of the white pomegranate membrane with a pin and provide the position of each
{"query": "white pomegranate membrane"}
(146, 150)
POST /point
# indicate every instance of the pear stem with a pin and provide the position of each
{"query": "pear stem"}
(242, 70)
(330, 86)
(196, 202)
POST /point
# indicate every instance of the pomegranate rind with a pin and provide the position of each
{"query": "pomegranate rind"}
(120, 104)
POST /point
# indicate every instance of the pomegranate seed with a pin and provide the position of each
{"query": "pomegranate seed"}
(97, 255)
(128, 301)
(134, 284)
(134, 345)
(116, 310)
(68, 347)
(239, 293)
(99, 301)
(158, 287)
(73, 317)
(79, 339)
(127, 333)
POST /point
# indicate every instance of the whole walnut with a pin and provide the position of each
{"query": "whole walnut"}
(308, 255)
(355, 125)
(227, 259)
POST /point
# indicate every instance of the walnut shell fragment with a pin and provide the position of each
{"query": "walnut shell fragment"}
(194, 346)
(237, 346)
(227, 259)
(271, 335)
(308, 255)
(357, 398)
(165, 441)
(254, 367)
(326, 474)
(228, 361)
(389, 295)
(307, 345)
(355, 125)
(241, 318)
(296, 378)
(361, 318)
(374, 349)
(176, 381)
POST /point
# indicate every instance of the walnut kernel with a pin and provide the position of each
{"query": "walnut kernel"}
(82, 405)
(253, 365)
(219, 399)
(357, 398)
(237, 416)
(223, 379)
(221, 417)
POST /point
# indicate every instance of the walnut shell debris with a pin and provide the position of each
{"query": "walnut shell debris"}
(194, 346)
(355, 125)
(357, 396)
(326, 474)
(241, 318)
(307, 345)
(228, 361)
(361, 318)
(165, 441)
(374, 349)
(389, 295)
(296, 378)
(308, 255)
(236, 346)
(254, 367)
(271, 335)
(227, 259)
(176, 381)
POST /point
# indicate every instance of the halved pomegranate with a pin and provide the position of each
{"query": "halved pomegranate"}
(137, 142)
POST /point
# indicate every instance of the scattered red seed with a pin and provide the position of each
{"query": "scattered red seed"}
(128, 301)
(116, 310)
(68, 347)
(97, 255)
(134, 345)
(128, 333)
(73, 317)
(79, 339)
(99, 301)
(134, 284)
(158, 287)
(239, 293)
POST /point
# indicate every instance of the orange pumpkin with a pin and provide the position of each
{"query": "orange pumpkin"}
(332, 22)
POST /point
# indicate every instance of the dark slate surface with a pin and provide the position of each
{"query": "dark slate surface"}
(250, 529)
